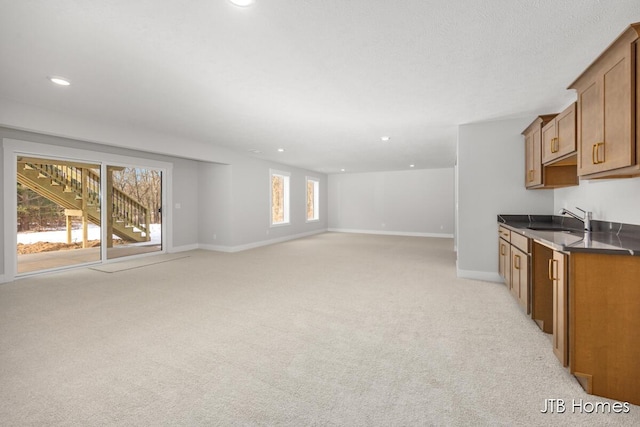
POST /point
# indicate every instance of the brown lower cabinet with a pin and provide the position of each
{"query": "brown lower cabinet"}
(520, 277)
(558, 276)
(504, 261)
(549, 297)
(604, 324)
(542, 287)
(590, 303)
(514, 265)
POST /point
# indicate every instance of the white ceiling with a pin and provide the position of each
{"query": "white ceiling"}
(324, 79)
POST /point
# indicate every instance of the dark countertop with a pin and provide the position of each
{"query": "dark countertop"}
(566, 234)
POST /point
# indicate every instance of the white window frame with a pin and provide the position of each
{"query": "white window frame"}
(286, 197)
(316, 198)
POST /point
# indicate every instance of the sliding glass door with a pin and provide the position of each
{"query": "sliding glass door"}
(66, 213)
(58, 213)
(134, 211)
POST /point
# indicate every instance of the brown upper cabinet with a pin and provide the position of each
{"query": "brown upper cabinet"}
(559, 136)
(558, 173)
(608, 115)
(533, 151)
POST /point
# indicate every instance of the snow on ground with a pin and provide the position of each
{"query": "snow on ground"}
(76, 235)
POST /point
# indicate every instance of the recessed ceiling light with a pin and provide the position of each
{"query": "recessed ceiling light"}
(341, 170)
(385, 138)
(280, 150)
(242, 3)
(412, 166)
(59, 80)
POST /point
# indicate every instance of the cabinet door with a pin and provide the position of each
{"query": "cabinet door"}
(549, 140)
(558, 275)
(520, 277)
(502, 252)
(604, 324)
(504, 263)
(533, 155)
(618, 144)
(590, 124)
(565, 132)
(541, 287)
(528, 156)
(605, 118)
(537, 157)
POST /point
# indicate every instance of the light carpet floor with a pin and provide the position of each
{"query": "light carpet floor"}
(334, 329)
(147, 261)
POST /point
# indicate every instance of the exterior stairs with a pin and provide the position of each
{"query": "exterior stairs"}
(77, 187)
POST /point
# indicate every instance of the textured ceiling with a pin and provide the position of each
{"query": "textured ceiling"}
(324, 79)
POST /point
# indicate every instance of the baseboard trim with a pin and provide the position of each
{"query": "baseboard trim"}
(239, 248)
(184, 248)
(215, 248)
(391, 233)
(484, 276)
(4, 278)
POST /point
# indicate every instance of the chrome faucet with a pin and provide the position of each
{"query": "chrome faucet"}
(586, 220)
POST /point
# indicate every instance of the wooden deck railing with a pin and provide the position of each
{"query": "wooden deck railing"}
(126, 210)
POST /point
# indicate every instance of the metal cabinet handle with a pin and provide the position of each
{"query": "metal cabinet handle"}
(516, 265)
(552, 262)
(595, 153)
(598, 152)
(502, 249)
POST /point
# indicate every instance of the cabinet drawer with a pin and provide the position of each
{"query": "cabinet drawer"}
(504, 233)
(520, 242)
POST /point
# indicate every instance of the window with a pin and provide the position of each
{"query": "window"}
(313, 196)
(279, 198)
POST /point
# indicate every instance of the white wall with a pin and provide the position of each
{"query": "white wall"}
(414, 202)
(616, 200)
(2, 219)
(185, 201)
(234, 213)
(491, 182)
(251, 191)
(214, 207)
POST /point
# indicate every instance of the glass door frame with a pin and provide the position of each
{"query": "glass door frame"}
(103, 217)
(13, 148)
